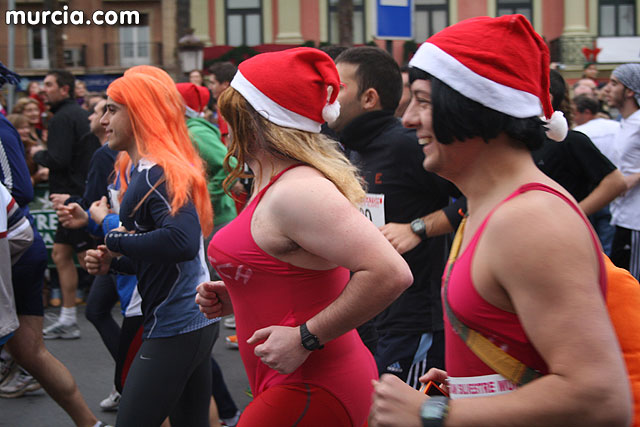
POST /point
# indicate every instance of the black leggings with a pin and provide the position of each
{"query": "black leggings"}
(170, 377)
(226, 406)
(102, 297)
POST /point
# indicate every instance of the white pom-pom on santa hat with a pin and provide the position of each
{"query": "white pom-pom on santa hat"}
(557, 126)
(331, 112)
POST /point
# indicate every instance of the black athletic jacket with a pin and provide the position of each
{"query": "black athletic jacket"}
(67, 155)
(390, 160)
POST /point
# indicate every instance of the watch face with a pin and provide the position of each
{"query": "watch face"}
(433, 411)
(417, 226)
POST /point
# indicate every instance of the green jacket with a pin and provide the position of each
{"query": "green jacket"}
(207, 139)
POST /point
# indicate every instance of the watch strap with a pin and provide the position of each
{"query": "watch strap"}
(419, 228)
(434, 411)
(308, 340)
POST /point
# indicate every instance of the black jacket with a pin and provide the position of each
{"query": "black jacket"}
(68, 154)
(391, 160)
(100, 175)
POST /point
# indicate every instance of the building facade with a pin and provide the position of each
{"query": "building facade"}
(96, 52)
(574, 29)
(568, 25)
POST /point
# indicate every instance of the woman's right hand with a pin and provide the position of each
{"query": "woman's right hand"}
(98, 260)
(213, 299)
(72, 216)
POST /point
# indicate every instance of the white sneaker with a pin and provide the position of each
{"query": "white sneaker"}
(6, 367)
(111, 402)
(230, 322)
(58, 330)
(18, 383)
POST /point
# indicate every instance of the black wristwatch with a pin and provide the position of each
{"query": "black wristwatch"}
(309, 341)
(418, 227)
(434, 411)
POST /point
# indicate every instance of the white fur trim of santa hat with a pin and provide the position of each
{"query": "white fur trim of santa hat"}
(501, 63)
(271, 110)
(507, 100)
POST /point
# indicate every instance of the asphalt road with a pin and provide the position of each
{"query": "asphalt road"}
(92, 367)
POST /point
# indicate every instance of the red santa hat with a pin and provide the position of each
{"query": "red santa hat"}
(294, 88)
(501, 63)
(195, 98)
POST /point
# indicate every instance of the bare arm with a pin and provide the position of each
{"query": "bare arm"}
(549, 271)
(609, 188)
(403, 239)
(339, 233)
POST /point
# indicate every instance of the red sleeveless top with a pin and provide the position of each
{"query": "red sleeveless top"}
(501, 327)
(266, 291)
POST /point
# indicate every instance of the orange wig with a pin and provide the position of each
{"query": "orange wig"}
(156, 112)
(123, 162)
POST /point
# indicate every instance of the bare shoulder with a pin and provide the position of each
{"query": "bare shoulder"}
(304, 190)
(537, 215)
(537, 234)
(301, 177)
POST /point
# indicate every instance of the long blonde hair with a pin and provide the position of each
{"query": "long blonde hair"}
(252, 133)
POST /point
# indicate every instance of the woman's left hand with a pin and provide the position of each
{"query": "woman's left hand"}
(395, 403)
(281, 348)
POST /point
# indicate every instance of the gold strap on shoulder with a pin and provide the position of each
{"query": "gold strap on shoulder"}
(492, 355)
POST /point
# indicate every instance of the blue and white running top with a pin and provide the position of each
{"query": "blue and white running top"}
(165, 252)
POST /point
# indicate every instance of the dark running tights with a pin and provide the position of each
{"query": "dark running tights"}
(102, 297)
(170, 377)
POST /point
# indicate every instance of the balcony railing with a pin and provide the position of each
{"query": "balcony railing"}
(36, 57)
(130, 54)
(30, 57)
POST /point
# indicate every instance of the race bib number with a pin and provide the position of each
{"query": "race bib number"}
(373, 208)
(486, 385)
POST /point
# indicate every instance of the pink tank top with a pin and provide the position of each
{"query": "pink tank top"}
(499, 326)
(266, 291)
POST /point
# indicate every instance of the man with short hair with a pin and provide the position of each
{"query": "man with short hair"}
(409, 332)
(600, 131)
(221, 75)
(585, 86)
(67, 156)
(623, 92)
